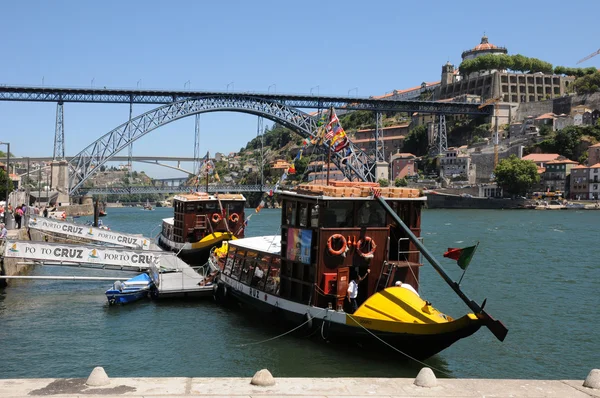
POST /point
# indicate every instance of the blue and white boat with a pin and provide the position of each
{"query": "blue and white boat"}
(131, 290)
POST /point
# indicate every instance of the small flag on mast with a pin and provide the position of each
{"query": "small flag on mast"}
(462, 256)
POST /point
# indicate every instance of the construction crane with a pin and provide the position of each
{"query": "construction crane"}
(589, 56)
(494, 101)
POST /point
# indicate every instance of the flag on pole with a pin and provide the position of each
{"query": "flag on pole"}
(462, 256)
(333, 119)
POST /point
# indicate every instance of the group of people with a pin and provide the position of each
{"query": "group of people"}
(19, 213)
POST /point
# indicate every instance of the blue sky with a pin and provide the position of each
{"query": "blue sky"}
(369, 47)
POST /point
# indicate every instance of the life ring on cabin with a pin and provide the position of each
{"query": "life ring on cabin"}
(216, 218)
(342, 249)
(63, 216)
(366, 240)
(234, 218)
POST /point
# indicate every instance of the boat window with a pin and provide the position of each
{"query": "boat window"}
(237, 266)
(248, 270)
(261, 272)
(290, 213)
(229, 262)
(272, 283)
(190, 207)
(211, 206)
(303, 214)
(199, 207)
(338, 214)
(236, 208)
(370, 214)
(314, 216)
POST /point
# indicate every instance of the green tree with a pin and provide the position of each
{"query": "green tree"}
(516, 176)
(587, 84)
(400, 182)
(383, 182)
(3, 178)
(416, 142)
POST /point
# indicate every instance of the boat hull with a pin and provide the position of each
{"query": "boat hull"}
(198, 252)
(447, 201)
(116, 297)
(134, 289)
(419, 344)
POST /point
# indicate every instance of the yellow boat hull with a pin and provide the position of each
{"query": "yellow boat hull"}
(404, 320)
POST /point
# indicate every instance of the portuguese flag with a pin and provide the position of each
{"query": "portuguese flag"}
(462, 256)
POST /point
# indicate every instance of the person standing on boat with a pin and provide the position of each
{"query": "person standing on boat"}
(353, 290)
(3, 231)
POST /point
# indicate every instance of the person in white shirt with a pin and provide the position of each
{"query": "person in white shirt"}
(353, 290)
(3, 231)
(407, 286)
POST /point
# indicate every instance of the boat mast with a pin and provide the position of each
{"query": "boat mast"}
(328, 147)
(206, 168)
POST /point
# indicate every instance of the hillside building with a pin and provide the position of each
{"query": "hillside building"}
(510, 86)
(392, 137)
(402, 165)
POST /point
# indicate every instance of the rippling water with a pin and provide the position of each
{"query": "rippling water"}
(538, 269)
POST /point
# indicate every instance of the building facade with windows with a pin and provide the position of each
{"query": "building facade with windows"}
(579, 182)
(509, 86)
(402, 165)
(555, 177)
(454, 163)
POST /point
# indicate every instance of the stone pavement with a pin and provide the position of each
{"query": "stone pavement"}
(294, 387)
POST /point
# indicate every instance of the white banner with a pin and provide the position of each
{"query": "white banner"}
(91, 233)
(82, 254)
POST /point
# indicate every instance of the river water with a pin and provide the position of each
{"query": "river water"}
(538, 269)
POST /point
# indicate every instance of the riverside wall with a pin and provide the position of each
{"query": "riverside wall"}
(100, 386)
(485, 161)
(557, 106)
(11, 266)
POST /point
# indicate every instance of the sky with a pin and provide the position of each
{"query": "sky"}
(357, 48)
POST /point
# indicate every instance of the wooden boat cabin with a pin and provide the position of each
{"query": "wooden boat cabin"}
(202, 222)
(327, 239)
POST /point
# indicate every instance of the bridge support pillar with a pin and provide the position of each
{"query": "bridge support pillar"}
(60, 180)
(382, 170)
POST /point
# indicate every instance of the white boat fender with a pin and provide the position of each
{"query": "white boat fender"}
(309, 320)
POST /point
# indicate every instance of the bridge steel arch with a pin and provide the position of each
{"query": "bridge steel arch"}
(358, 166)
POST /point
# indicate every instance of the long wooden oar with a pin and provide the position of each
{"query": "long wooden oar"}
(496, 327)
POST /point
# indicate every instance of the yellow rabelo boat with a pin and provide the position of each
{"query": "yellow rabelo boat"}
(330, 236)
(202, 222)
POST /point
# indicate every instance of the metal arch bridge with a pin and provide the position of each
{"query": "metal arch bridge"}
(220, 188)
(302, 101)
(277, 107)
(357, 166)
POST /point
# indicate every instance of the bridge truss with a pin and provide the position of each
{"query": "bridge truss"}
(220, 188)
(128, 96)
(356, 166)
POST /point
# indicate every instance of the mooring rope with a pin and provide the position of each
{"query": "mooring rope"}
(397, 350)
(281, 335)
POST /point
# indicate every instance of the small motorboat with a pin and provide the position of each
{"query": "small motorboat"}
(131, 290)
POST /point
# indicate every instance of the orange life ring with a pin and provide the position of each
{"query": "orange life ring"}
(342, 249)
(360, 244)
(234, 218)
(216, 218)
